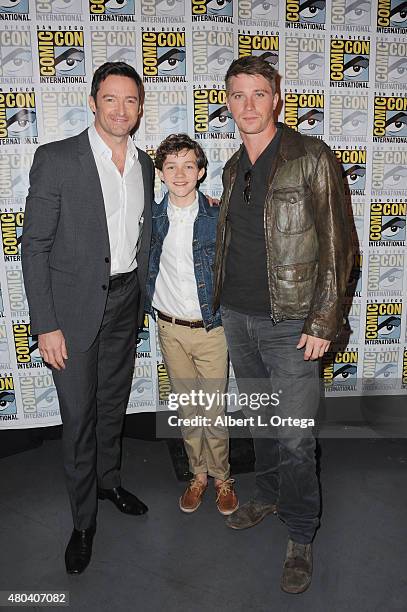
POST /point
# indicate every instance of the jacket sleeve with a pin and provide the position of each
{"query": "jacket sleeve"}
(335, 253)
(40, 226)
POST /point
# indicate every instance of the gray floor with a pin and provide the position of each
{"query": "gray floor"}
(171, 561)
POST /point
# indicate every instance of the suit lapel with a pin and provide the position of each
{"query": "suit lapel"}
(92, 186)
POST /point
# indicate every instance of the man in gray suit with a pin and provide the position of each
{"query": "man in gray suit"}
(85, 251)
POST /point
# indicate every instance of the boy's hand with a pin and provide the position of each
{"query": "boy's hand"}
(212, 201)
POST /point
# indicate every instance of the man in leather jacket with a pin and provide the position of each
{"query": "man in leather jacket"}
(283, 259)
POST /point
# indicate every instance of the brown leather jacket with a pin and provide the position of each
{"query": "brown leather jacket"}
(307, 231)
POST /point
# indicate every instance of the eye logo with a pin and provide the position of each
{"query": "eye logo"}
(340, 369)
(118, 8)
(357, 12)
(170, 61)
(395, 177)
(143, 338)
(306, 11)
(264, 9)
(7, 401)
(212, 8)
(14, 6)
(398, 14)
(396, 124)
(212, 118)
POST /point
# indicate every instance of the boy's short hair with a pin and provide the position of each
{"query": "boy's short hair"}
(173, 144)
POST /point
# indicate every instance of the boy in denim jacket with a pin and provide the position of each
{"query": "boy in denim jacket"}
(180, 292)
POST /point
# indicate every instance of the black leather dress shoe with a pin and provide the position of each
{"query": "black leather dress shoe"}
(79, 550)
(123, 500)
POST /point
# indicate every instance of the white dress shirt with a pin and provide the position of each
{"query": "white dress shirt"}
(123, 196)
(175, 292)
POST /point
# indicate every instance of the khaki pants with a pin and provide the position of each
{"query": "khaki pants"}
(197, 360)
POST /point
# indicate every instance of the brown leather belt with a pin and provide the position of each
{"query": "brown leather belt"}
(191, 324)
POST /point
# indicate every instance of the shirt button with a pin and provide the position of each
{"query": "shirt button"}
(107, 259)
(104, 287)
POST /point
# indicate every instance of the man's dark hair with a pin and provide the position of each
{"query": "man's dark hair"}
(116, 68)
(173, 144)
(253, 65)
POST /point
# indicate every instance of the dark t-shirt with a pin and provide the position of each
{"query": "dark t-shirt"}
(245, 288)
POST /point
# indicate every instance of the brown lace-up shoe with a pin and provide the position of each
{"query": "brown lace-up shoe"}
(226, 499)
(297, 570)
(248, 515)
(192, 496)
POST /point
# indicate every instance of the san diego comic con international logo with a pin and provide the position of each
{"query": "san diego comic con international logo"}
(212, 52)
(111, 10)
(164, 56)
(380, 369)
(349, 62)
(16, 292)
(264, 45)
(217, 157)
(389, 172)
(212, 10)
(8, 407)
(260, 13)
(353, 162)
(164, 385)
(304, 112)
(142, 387)
(38, 396)
(351, 15)
(14, 176)
(348, 117)
(59, 10)
(305, 14)
(391, 16)
(391, 64)
(65, 113)
(385, 274)
(16, 55)
(304, 59)
(61, 56)
(212, 119)
(14, 10)
(163, 11)
(387, 223)
(18, 117)
(26, 346)
(340, 370)
(383, 322)
(165, 112)
(11, 223)
(113, 45)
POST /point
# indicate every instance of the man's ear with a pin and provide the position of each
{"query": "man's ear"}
(160, 174)
(276, 100)
(92, 104)
(201, 173)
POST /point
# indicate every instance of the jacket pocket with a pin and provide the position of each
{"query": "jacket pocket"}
(297, 273)
(293, 210)
(295, 288)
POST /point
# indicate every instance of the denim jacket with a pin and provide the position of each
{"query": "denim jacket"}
(203, 247)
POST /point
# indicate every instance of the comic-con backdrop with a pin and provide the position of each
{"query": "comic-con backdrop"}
(344, 67)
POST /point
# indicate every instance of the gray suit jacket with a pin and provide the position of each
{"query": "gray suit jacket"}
(65, 243)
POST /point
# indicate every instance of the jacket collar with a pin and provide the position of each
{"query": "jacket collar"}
(202, 206)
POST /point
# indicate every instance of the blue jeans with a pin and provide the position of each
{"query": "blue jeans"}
(265, 360)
